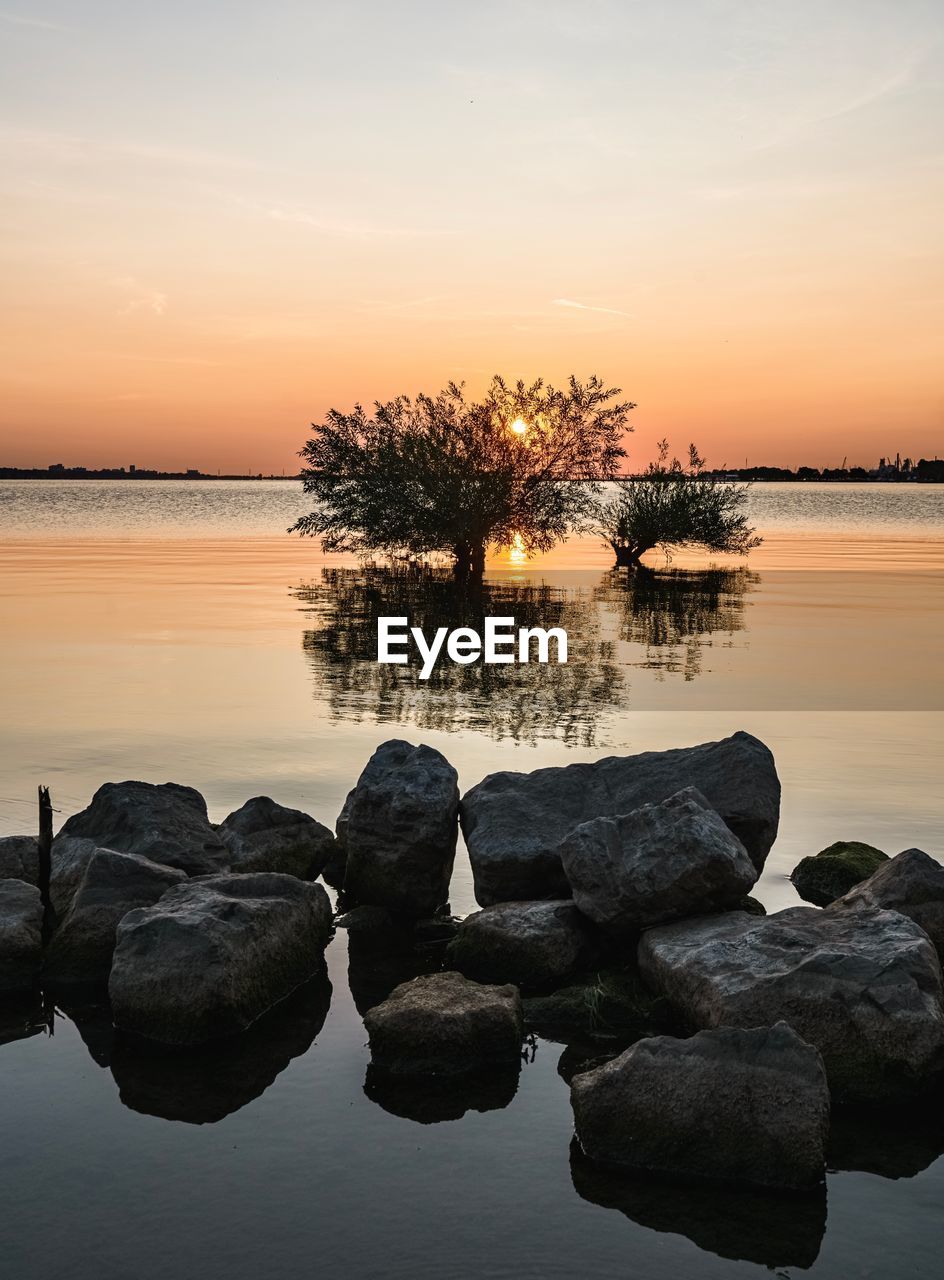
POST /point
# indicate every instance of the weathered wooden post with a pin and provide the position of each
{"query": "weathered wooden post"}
(45, 857)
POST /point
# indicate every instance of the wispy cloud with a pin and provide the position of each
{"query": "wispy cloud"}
(140, 298)
(583, 306)
(20, 20)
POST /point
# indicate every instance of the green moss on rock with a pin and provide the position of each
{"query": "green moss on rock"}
(827, 875)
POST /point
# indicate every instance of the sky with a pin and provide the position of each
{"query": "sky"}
(221, 219)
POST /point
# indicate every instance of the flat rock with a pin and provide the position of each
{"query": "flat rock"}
(165, 822)
(744, 1106)
(265, 836)
(864, 987)
(911, 883)
(21, 934)
(661, 862)
(399, 828)
(214, 954)
(825, 876)
(535, 945)
(444, 1024)
(19, 859)
(112, 885)
(514, 822)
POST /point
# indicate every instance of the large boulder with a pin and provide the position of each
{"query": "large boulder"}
(864, 987)
(21, 934)
(399, 828)
(661, 862)
(445, 1024)
(19, 859)
(747, 1106)
(70, 856)
(535, 945)
(214, 954)
(912, 883)
(265, 836)
(514, 822)
(825, 876)
(113, 884)
(165, 822)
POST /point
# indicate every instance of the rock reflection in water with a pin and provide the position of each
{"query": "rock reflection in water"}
(23, 1015)
(772, 1230)
(670, 612)
(665, 616)
(433, 1099)
(204, 1085)
(894, 1142)
(523, 702)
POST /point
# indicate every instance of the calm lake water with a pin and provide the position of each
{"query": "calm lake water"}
(172, 631)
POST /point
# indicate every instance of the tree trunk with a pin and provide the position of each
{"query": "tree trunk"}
(477, 559)
(463, 555)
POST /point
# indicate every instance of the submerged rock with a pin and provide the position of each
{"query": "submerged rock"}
(265, 836)
(532, 944)
(399, 828)
(611, 1004)
(514, 822)
(661, 862)
(827, 875)
(445, 1024)
(165, 822)
(214, 954)
(21, 934)
(112, 885)
(912, 883)
(19, 859)
(745, 1106)
(864, 987)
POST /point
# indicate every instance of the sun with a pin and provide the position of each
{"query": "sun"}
(519, 426)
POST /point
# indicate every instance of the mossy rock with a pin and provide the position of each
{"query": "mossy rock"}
(606, 1004)
(827, 875)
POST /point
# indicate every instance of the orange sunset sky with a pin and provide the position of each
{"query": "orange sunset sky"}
(221, 219)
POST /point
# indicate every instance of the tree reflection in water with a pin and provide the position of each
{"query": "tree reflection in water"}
(666, 615)
(670, 612)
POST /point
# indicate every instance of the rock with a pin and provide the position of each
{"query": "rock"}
(752, 906)
(445, 1024)
(214, 954)
(21, 934)
(744, 1106)
(514, 822)
(827, 875)
(606, 1005)
(70, 856)
(661, 862)
(166, 823)
(113, 884)
(19, 859)
(399, 828)
(863, 986)
(535, 945)
(911, 883)
(265, 836)
(763, 1227)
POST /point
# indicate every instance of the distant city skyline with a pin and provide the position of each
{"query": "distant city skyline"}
(221, 222)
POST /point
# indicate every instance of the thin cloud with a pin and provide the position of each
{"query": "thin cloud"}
(353, 230)
(583, 306)
(40, 24)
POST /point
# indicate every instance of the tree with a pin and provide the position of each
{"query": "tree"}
(676, 505)
(443, 474)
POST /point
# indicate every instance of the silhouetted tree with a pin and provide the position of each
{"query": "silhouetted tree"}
(677, 505)
(442, 474)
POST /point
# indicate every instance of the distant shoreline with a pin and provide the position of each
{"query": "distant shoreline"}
(923, 472)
